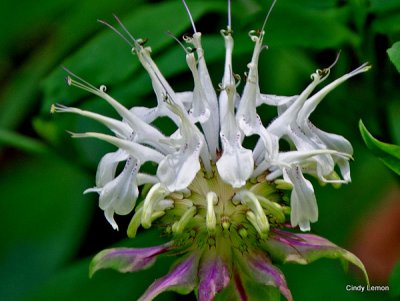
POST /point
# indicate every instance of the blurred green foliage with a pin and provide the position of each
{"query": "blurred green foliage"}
(388, 153)
(49, 230)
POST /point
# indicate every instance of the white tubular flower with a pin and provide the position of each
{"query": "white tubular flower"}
(207, 147)
(302, 200)
(200, 110)
(236, 163)
(177, 170)
(211, 126)
(119, 195)
(108, 166)
(246, 116)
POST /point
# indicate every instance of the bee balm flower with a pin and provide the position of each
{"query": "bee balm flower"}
(225, 206)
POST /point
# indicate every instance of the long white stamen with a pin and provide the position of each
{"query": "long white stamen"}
(116, 31)
(190, 16)
(70, 81)
(179, 42)
(124, 28)
(266, 18)
(229, 15)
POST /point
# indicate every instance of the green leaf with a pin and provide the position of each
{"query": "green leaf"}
(25, 143)
(384, 5)
(388, 153)
(47, 31)
(387, 24)
(393, 113)
(394, 54)
(394, 281)
(317, 29)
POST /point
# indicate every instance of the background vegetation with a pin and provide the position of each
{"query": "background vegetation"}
(49, 230)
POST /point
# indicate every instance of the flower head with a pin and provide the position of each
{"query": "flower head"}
(224, 205)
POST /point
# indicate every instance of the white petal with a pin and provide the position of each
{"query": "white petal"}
(108, 165)
(143, 153)
(304, 142)
(119, 196)
(109, 214)
(161, 87)
(199, 110)
(246, 115)
(338, 143)
(145, 133)
(143, 178)
(297, 157)
(312, 103)
(303, 203)
(148, 115)
(118, 127)
(211, 126)
(93, 189)
(179, 169)
(333, 141)
(274, 100)
(186, 98)
(279, 126)
(236, 163)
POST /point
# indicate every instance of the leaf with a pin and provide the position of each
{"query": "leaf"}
(25, 143)
(48, 30)
(394, 281)
(383, 6)
(317, 29)
(387, 24)
(393, 113)
(388, 153)
(394, 54)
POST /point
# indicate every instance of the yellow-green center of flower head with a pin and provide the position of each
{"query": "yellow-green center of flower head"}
(209, 209)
